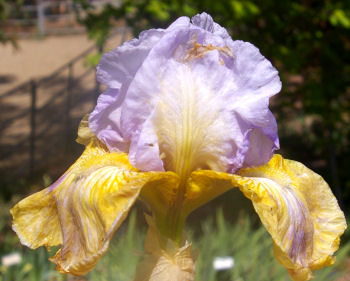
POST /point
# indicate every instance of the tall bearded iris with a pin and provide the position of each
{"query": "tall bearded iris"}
(184, 118)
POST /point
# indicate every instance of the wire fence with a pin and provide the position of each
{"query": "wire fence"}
(39, 116)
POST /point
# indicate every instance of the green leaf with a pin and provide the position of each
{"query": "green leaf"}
(340, 18)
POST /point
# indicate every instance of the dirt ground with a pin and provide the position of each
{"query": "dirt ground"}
(37, 58)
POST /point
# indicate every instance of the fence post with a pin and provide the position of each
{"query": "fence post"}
(32, 127)
(69, 101)
(41, 17)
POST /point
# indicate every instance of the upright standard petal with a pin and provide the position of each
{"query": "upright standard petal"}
(118, 67)
(116, 70)
(163, 111)
(206, 22)
(104, 121)
(82, 209)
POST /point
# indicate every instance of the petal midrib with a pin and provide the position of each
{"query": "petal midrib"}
(184, 143)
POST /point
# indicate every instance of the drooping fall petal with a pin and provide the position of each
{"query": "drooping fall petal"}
(82, 209)
(36, 222)
(295, 205)
(300, 212)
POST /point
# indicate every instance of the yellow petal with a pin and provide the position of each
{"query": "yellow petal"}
(300, 212)
(85, 135)
(295, 205)
(162, 196)
(203, 186)
(36, 222)
(83, 208)
(164, 261)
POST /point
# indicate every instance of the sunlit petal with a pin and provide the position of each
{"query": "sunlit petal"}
(300, 212)
(206, 22)
(295, 205)
(108, 132)
(203, 186)
(36, 222)
(166, 114)
(162, 195)
(197, 100)
(117, 67)
(81, 210)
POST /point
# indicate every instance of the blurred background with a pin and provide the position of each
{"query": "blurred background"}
(48, 53)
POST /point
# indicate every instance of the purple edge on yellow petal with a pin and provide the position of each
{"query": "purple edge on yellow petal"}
(301, 243)
(83, 208)
(295, 205)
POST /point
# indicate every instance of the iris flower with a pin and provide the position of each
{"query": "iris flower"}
(184, 118)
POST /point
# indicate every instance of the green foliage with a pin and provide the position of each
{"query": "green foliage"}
(340, 18)
(34, 265)
(98, 23)
(92, 60)
(6, 7)
(245, 9)
(251, 248)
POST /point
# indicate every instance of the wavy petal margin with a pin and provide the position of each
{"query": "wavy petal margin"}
(295, 205)
(160, 85)
(300, 212)
(82, 209)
